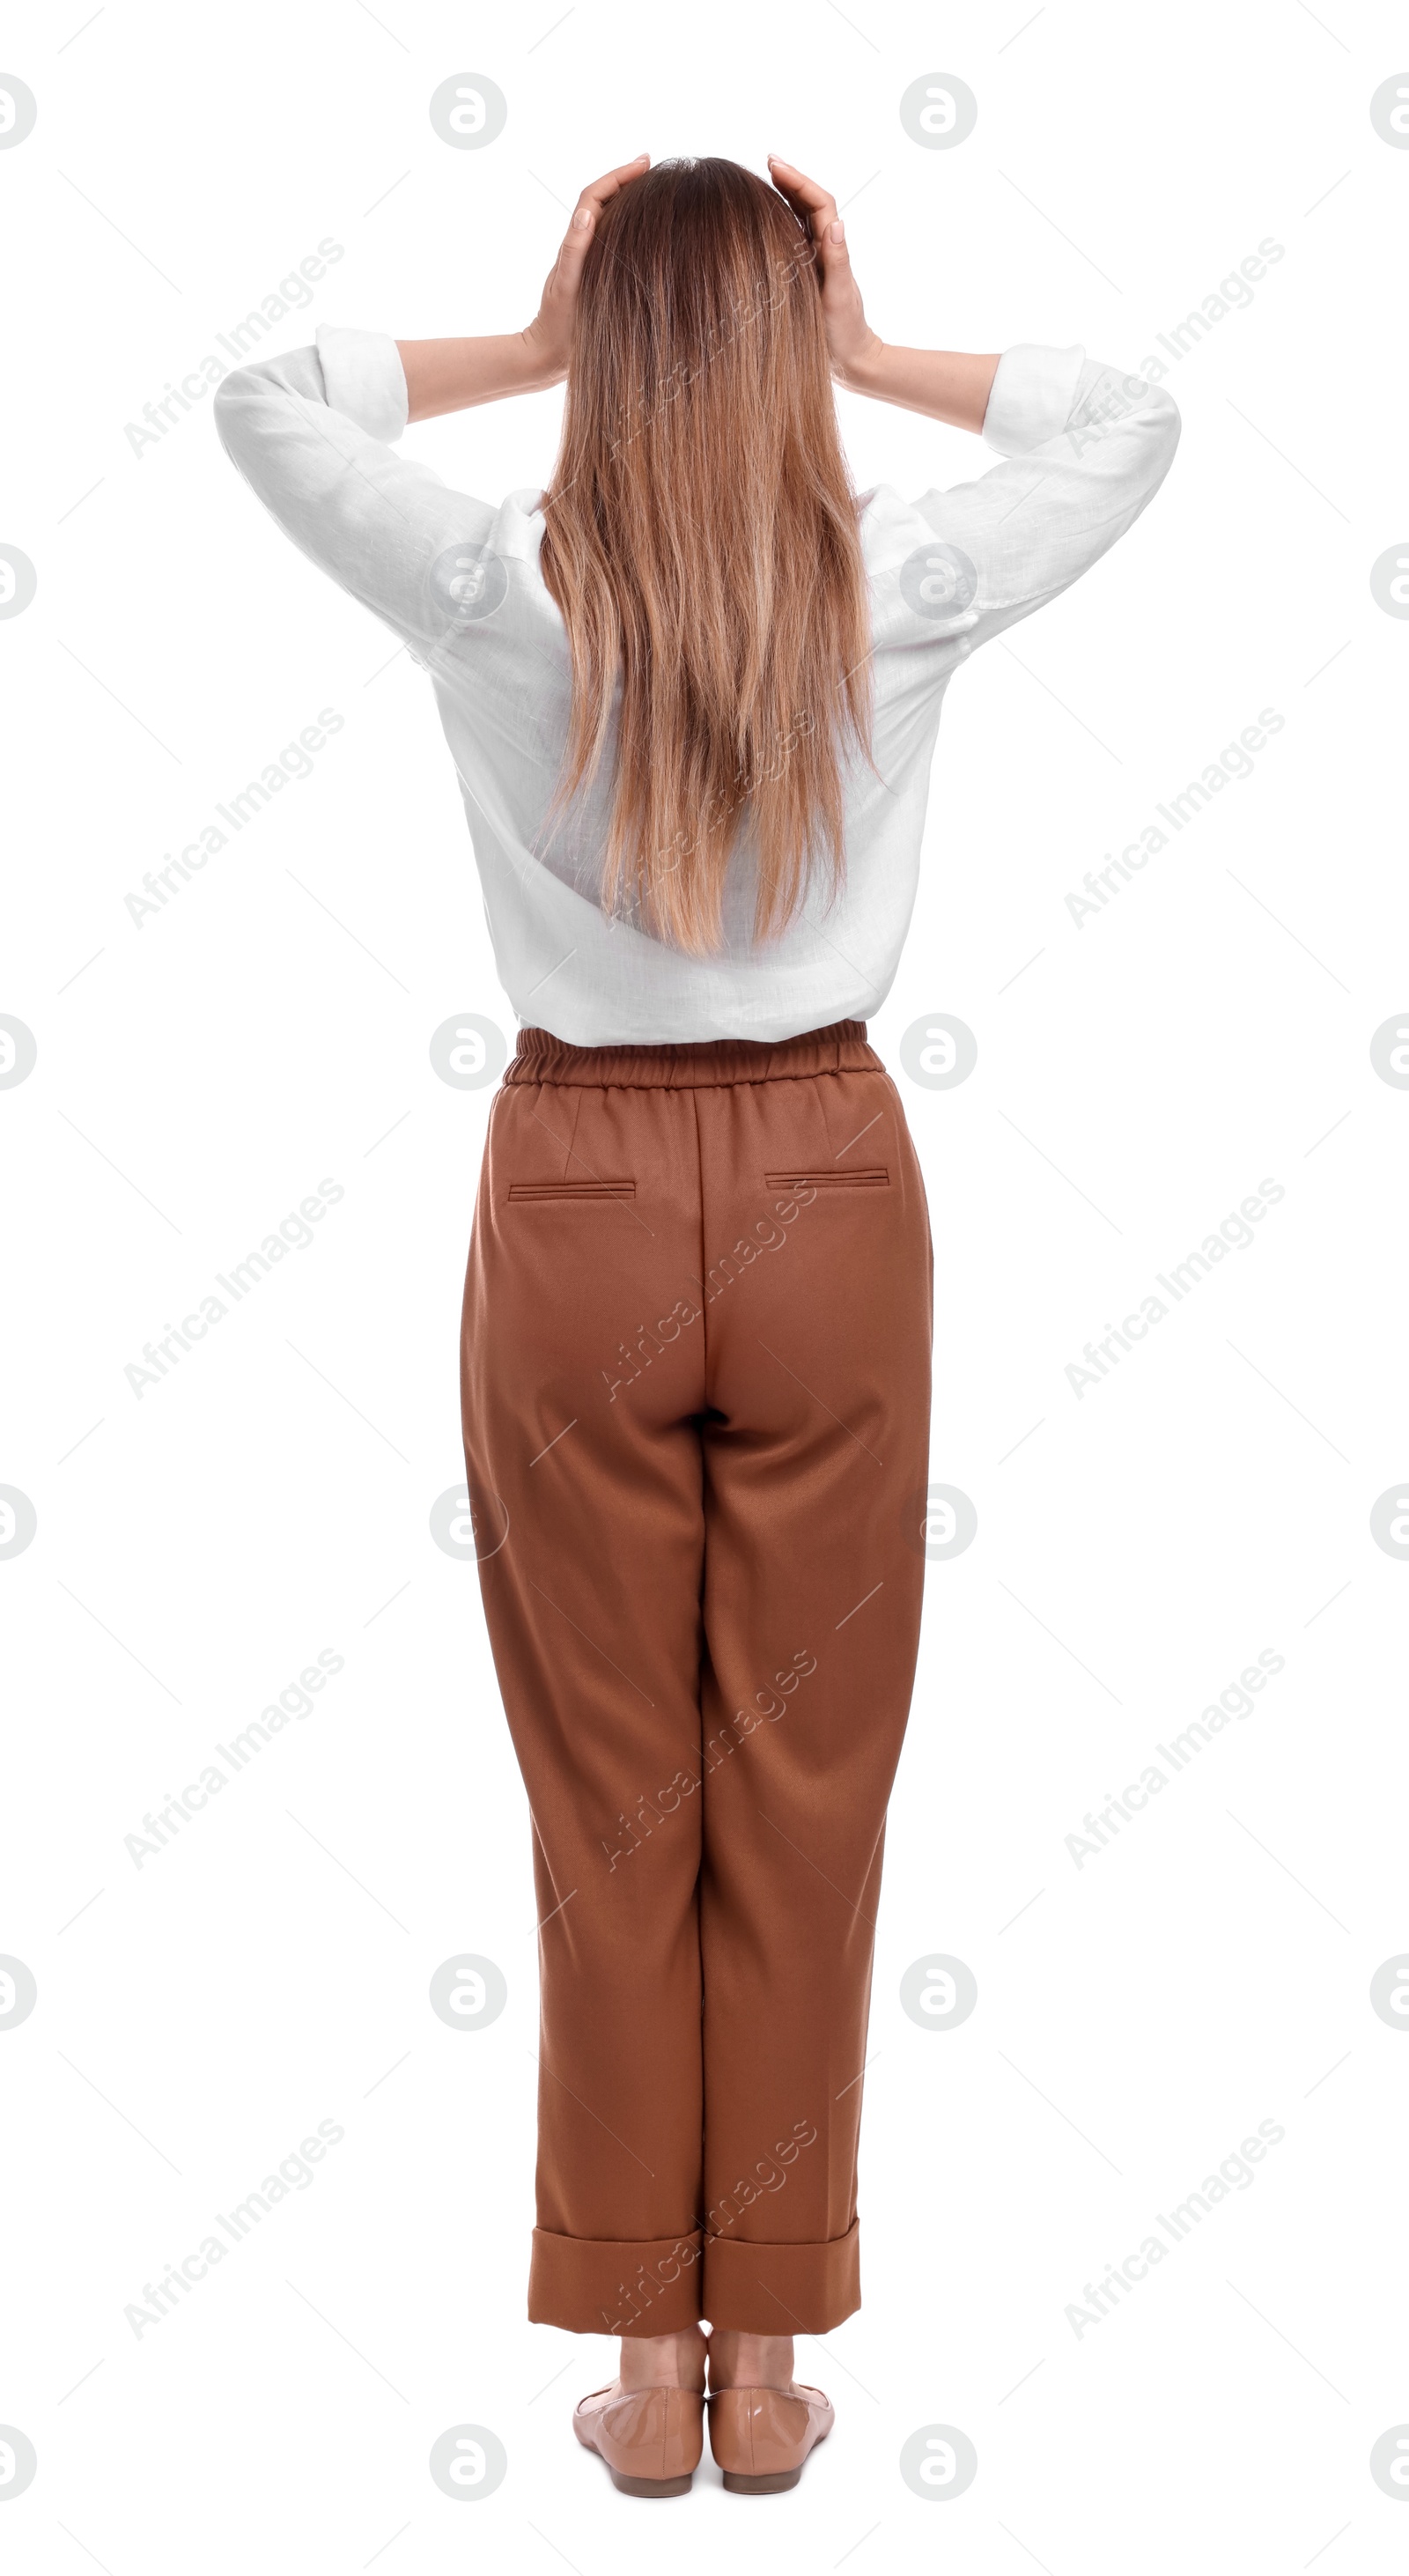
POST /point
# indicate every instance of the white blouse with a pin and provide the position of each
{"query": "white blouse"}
(458, 581)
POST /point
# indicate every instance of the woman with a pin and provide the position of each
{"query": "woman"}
(692, 692)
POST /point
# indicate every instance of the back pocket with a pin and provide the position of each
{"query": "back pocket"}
(572, 1189)
(876, 1179)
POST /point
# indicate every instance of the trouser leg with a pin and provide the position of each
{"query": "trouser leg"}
(584, 1466)
(818, 1359)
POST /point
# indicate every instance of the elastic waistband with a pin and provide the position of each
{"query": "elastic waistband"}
(842, 1048)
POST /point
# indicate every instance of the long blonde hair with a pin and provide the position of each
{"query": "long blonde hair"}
(701, 543)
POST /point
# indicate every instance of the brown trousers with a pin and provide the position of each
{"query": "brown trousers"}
(696, 1361)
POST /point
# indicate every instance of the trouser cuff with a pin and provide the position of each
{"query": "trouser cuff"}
(781, 2289)
(594, 2285)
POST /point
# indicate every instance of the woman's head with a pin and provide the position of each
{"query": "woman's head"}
(701, 543)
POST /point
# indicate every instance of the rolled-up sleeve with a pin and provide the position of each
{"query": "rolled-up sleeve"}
(313, 433)
(363, 378)
(1086, 447)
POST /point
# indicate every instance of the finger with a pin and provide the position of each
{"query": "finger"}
(597, 191)
(799, 212)
(817, 209)
(801, 191)
(589, 206)
(785, 180)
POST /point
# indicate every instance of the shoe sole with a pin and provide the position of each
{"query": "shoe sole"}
(648, 2486)
(776, 2483)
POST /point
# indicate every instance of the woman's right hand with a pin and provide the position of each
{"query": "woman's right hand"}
(851, 342)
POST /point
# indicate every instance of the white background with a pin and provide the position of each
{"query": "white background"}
(1136, 1078)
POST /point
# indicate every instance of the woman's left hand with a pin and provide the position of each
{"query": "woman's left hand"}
(549, 335)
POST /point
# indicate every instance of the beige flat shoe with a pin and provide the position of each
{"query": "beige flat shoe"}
(650, 2438)
(760, 2437)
